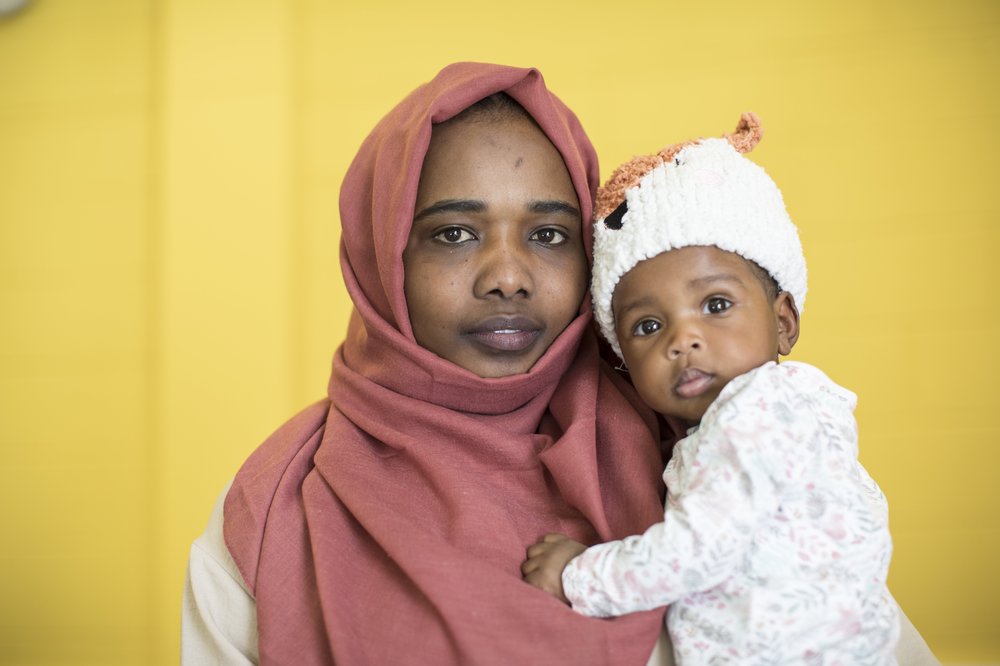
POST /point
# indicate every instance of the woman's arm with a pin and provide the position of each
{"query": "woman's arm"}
(219, 615)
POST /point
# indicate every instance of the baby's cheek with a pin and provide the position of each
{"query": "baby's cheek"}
(651, 384)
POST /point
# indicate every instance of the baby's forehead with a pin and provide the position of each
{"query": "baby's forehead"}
(691, 267)
(683, 262)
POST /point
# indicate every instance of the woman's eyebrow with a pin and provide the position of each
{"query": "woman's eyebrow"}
(451, 206)
(549, 206)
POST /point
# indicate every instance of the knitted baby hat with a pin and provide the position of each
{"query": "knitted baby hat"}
(700, 192)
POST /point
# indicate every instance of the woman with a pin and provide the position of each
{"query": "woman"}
(468, 413)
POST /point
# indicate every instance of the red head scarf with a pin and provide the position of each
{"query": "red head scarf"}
(388, 523)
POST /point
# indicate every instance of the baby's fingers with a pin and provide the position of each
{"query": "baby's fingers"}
(547, 544)
(538, 579)
(539, 549)
(547, 580)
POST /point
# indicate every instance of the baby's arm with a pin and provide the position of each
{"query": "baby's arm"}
(699, 543)
(722, 485)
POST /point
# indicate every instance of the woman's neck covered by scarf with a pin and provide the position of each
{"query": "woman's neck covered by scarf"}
(388, 522)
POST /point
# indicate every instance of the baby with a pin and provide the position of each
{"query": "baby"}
(774, 545)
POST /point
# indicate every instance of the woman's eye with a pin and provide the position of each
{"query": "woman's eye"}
(549, 237)
(454, 235)
(646, 327)
(717, 305)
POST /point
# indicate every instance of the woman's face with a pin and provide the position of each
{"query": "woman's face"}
(494, 267)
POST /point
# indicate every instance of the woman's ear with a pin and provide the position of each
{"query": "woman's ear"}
(787, 316)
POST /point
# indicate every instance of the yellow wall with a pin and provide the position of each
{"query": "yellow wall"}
(169, 288)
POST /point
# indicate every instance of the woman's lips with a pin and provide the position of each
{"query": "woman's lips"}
(505, 334)
(692, 383)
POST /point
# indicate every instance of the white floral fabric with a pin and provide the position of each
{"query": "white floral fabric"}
(774, 546)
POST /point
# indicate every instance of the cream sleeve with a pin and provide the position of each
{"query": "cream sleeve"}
(219, 615)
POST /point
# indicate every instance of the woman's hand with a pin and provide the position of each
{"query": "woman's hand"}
(546, 561)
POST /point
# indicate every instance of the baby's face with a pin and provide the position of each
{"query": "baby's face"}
(690, 320)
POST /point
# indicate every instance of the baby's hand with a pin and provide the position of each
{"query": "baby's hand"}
(546, 561)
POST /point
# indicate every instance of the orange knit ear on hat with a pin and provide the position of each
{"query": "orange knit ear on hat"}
(748, 133)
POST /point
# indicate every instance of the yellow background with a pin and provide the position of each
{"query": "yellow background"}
(170, 292)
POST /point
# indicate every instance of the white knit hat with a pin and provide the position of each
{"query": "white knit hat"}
(696, 193)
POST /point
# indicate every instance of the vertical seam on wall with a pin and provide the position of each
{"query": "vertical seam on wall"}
(155, 566)
(296, 64)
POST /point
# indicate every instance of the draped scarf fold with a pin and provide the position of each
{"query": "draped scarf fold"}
(387, 523)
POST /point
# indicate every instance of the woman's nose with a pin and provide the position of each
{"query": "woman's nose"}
(504, 270)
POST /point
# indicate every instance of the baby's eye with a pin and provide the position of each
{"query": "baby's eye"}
(717, 305)
(646, 327)
(454, 235)
(549, 236)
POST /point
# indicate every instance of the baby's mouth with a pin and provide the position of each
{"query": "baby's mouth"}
(692, 383)
(505, 333)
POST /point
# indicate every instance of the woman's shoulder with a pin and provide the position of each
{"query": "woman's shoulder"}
(294, 433)
(269, 461)
(284, 458)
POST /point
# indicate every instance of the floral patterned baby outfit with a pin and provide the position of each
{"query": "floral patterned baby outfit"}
(774, 545)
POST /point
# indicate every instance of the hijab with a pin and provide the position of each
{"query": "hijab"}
(388, 522)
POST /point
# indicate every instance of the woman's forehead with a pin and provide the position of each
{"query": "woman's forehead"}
(483, 159)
